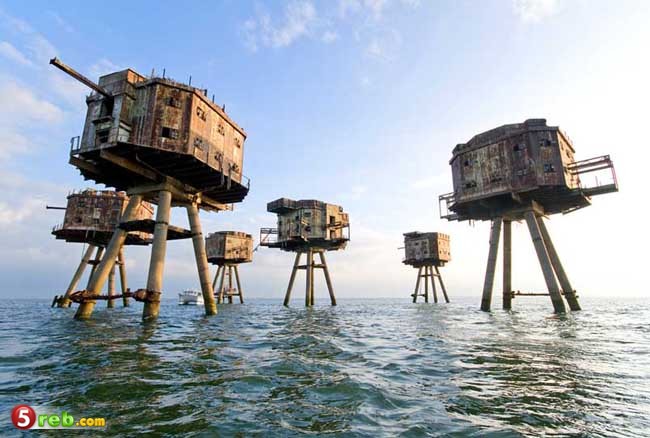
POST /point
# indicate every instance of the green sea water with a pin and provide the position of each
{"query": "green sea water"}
(364, 368)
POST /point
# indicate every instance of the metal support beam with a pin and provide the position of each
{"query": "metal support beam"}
(65, 302)
(157, 260)
(239, 290)
(201, 258)
(292, 279)
(100, 275)
(433, 285)
(507, 265)
(328, 279)
(214, 284)
(229, 284)
(495, 233)
(569, 292)
(545, 262)
(123, 284)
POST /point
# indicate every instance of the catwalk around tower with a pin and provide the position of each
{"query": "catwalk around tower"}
(524, 171)
(90, 218)
(227, 250)
(427, 252)
(307, 227)
(163, 142)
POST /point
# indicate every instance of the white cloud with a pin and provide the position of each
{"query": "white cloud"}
(102, 67)
(20, 103)
(61, 22)
(299, 18)
(329, 37)
(384, 45)
(10, 52)
(535, 10)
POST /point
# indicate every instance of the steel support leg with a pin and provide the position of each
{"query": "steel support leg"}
(100, 274)
(230, 284)
(65, 301)
(292, 279)
(201, 259)
(507, 265)
(569, 293)
(157, 260)
(417, 285)
(433, 285)
(495, 233)
(310, 272)
(222, 279)
(545, 262)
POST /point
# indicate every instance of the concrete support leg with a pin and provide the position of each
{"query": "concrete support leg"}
(111, 288)
(507, 265)
(545, 262)
(100, 274)
(222, 279)
(328, 279)
(98, 258)
(495, 233)
(417, 285)
(230, 288)
(442, 285)
(201, 259)
(157, 260)
(123, 283)
(310, 272)
(294, 271)
(65, 302)
(569, 293)
(426, 284)
(239, 290)
(214, 284)
(433, 285)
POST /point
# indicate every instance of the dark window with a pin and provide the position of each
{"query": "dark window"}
(172, 101)
(549, 168)
(332, 220)
(470, 184)
(517, 148)
(467, 163)
(168, 132)
(102, 136)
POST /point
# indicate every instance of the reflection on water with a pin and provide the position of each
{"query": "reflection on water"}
(363, 368)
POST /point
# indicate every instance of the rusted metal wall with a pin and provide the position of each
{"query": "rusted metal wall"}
(229, 246)
(99, 210)
(421, 247)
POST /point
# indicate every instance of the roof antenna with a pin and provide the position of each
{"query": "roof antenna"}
(223, 107)
(163, 73)
(190, 80)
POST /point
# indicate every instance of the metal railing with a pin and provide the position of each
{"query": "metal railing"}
(268, 236)
(595, 176)
(445, 203)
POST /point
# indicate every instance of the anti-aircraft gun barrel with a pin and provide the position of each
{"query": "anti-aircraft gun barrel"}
(78, 76)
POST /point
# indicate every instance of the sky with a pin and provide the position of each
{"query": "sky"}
(353, 102)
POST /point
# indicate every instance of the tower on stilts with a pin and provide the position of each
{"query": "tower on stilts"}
(524, 171)
(162, 142)
(227, 250)
(427, 252)
(307, 227)
(90, 218)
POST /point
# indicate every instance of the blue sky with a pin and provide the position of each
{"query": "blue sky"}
(353, 102)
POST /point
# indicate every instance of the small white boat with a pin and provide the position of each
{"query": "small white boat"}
(190, 298)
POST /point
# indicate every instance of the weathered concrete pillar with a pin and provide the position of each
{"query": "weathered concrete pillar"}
(296, 263)
(222, 279)
(65, 301)
(442, 285)
(507, 265)
(216, 278)
(426, 284)
(230, 284)
(100, 275)
(328, 279)
(98, 258)
(239, 290)
(111, 288)
(433, 285)
(545, 262)
(495, 233)
(417, 285)
(569, 293)
(157, 260)
(308, 268)
(123, 283)
(201, 260)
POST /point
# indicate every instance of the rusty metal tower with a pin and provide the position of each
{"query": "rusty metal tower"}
(427, 252)
(163, 142)
(307, 227)
(524, 171)
(90, 218)
(227, 250)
